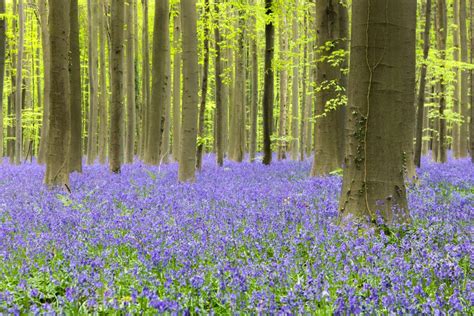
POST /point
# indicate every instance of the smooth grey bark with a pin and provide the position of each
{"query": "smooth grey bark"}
(283, 93)
(457, 81)
(18, 85)
(145, 106)
(187, 156)
(57, 170)
(161, 85)
(75, 151)
(43, 15)
(268, 89)
(176, 84)
(421, 92)
(93, 82)
(130, 134)
(295, 86)
(471, 124)
(204, 84)
(117, 68)
(464, 82)
(254, 89)
(2, 71)
(382, 74)
(331, 20)
(441, 39)
(219, 89)
(103, 97)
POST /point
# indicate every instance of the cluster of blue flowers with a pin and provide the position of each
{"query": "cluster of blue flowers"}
(243, 239)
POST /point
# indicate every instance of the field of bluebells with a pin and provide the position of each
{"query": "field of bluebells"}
(245, 239)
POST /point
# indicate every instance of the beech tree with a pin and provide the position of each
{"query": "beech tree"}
(75, 154)
(187, 157)
(3, 41)
(268, 84)
(332, 37)
(117, 65)
(57, 157)
(382, 71)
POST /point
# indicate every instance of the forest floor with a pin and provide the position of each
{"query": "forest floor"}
(246, 238)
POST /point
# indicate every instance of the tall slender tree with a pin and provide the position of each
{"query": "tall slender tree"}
(161, 85)
(187, 156)
(332, 36)
(75, 151)
(283, 93)
(382, 70)
(268, 83)
(219, 88)
(254, 101)
(176, 82)
(19, 84)
(57, 158)
(117, 65)
(471, 124)
(205, 78)
(93, 82)
(464, 100)
(441, 38)
(295, 94)
(457, 81)
(145, 82)
(421, 91)
(103, 98)
(2, 70)
(43, 15)
(130, 135)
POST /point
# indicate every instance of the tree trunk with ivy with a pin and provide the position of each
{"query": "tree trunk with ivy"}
(382, 70)
(332, 36)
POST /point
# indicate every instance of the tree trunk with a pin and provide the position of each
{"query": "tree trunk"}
(268, 84)
(187, 156)
(103, 98)
(441, 43)
(329, 113)
(117, 65)
(471, 124)
(295, 86)
(43, 13)
(219, 90)
(57, 170)
(237, 143)
(75, 154)
(464, 100)
(161, 86)
(205, 73)
(146, 82)
(130, 139)
(282, 143)
(2, 71)
(176, 83)
(421, 92)
(254, 101)
(457, 81)
(382, 71)
(304, 118)
(93, 83)
(18, 85)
